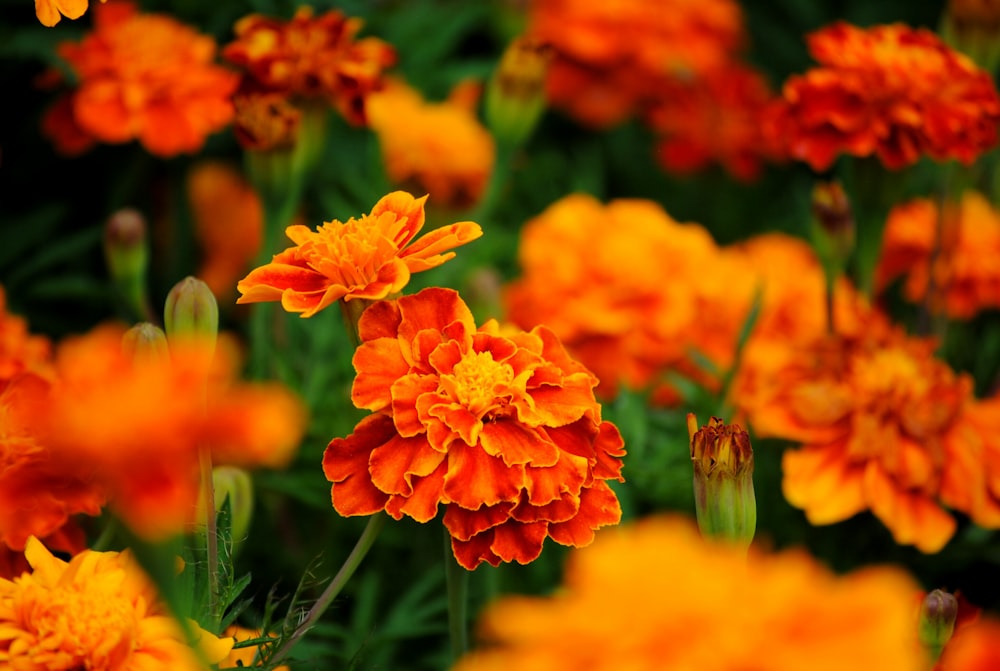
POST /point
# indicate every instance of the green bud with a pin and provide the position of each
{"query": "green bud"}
(234, 484)
(127, 258)
(191, 309)
(145, 342)
(515, 96)
(938, 613)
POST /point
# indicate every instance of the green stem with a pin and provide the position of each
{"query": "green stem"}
(350, 565)
(457, 581)
(211, 534)
(103, 541)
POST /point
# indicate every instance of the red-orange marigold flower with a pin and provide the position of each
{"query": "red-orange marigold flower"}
(502, 430)
(367, 258)
(964, 247)
(881, 425)
(19, 349)
(50, 12)
(893, 91)
(973, 648)
(312, 57)
(146, 77)
(97, 611)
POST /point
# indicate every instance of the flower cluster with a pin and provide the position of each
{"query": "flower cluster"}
(144, 77)
(891, 91)
(499, 428)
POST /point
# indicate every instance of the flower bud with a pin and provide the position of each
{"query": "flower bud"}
(191, 310)
(973, 27)
(833, 225)
(938, 613)
(127, 258)
(723, 480)
(235, 484)
(145, 342)
(515, 97)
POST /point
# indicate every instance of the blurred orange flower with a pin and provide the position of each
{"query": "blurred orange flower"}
(368, 258)
(145, 77)
(966, 258)
(50, 12)
(243, 657)
(311, 57)
(98, 611)
(893, 91)
(502, 430)
(609, 56)
(20, 350)
(228, 223)
(685, 603)
(882, 427)
(438, 148)
(975, 647)
(136, 426)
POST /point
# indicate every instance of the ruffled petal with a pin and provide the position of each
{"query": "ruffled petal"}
(345, 464)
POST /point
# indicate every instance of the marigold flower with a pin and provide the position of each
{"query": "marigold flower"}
(502, 430)
(312, 57)
(98, 611)
(50, 12)
(892, 91)
(368, 258)
(146, 77)
(439, 148)
(608, 56)
(136, 425)
(20, 350)
(684, 603)
(973, 648)
(964, 247)
(881, 424)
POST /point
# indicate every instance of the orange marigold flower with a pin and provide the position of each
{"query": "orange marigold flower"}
(973, 648)
(228, 223)
(881, 424)
(145, 77)
(607, 55)
(685, 603)
(368, 258)
(50, 12)
(893, 91)
(439, 148)
(502, 430)
(98, 611)
(19, 349)
(312, 57)
(137, 425)
(966, 258)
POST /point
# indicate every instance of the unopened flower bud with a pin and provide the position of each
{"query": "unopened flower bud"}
(515, 97)
(127, 258)
(234, 484)
(833, 224)
(938, 613)
(723, 480)
(191, 310)
(145, 342)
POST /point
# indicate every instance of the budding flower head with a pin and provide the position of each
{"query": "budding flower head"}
(144, 342)
(833, 224)
(234, 484)
(191, 310)
(515, 97)
(938, 613)
(723, 480)
(126, 255)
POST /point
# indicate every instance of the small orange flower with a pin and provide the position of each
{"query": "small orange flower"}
(679, 602)
(98, 611)
(368, 258)
(144, 77)
(966, 270)
(893, 91)
(609, 56)
(440, 148)
(502, 430)
(312, 57)
(881, 423)
(50, 12)
(228, 222)
(136, 425)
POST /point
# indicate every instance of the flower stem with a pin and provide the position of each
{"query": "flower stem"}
(211, 533)
(367, 539)
(457, 581)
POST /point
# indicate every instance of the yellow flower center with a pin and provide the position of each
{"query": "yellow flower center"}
(479, 383)
(353, 251)
(891, 376)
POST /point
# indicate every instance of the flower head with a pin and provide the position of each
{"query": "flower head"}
(97, 611)
(684, 603)
(367, 258)
(500, 429)
(311, 57)
(892, 91)
(146, 77)
(723, 479)
(20, 350)
(50, 12)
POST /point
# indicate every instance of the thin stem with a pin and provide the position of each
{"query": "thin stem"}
(350, 565)
(457, 581)
(211, 531)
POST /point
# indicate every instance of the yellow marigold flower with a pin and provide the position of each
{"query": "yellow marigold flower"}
(684, 603)
(965, 274)
(501, 429)
(367, 258)
(50, 12)
(143, 77)
(439, 148)
(97, 611)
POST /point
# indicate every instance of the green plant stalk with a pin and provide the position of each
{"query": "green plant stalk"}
(211, 535)
(350, 565)
(457, 582)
